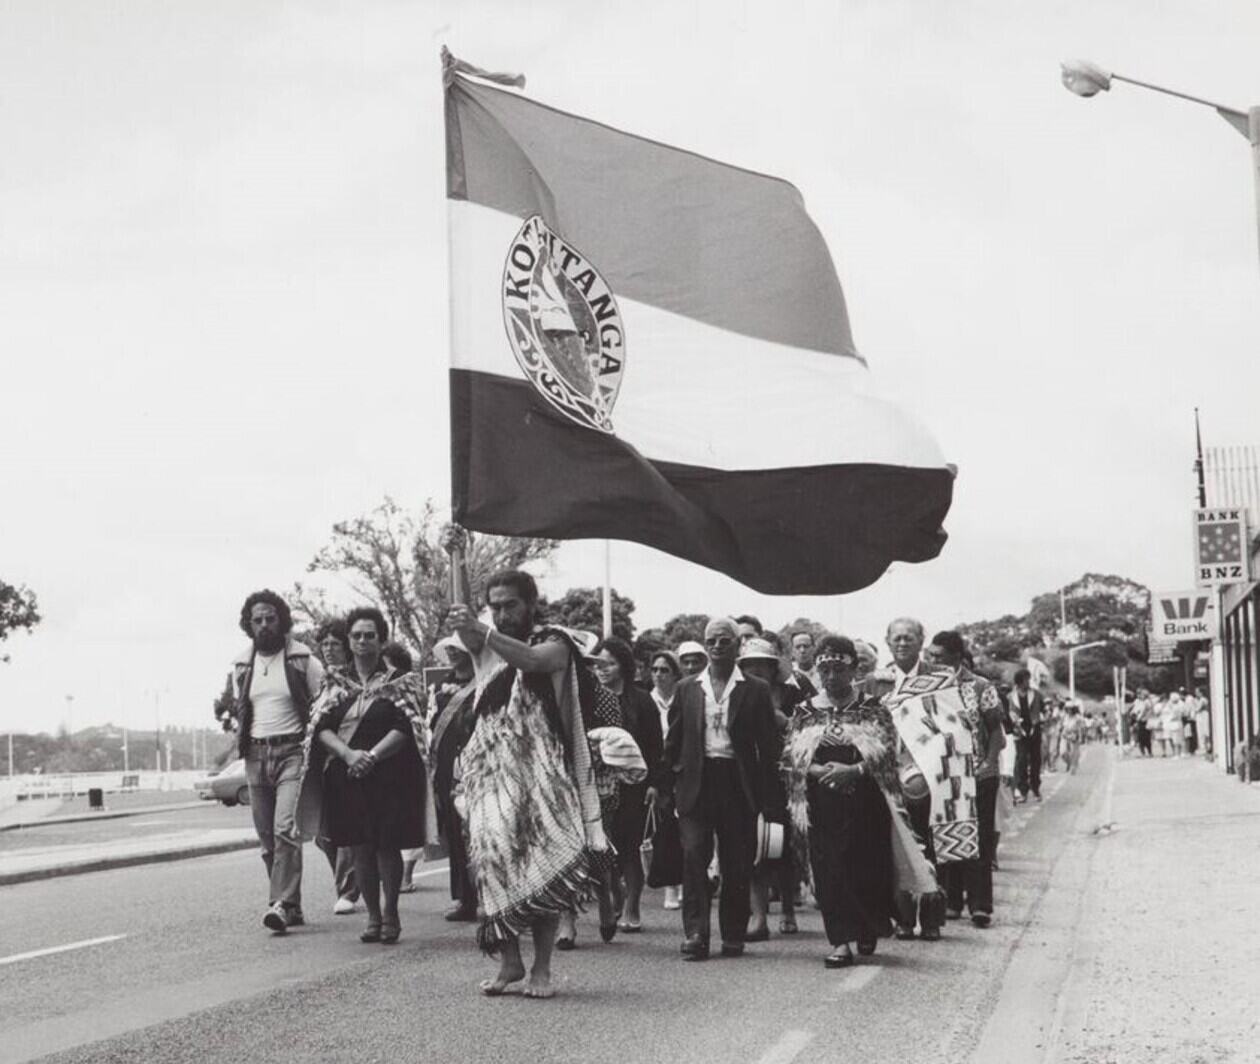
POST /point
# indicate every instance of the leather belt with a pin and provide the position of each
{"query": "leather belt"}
(279, 740)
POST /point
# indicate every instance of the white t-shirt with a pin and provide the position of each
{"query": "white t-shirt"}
(717, 736)
(274, 711)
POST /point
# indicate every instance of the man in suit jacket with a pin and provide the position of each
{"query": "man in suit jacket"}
(719, 767)
(1026, 709)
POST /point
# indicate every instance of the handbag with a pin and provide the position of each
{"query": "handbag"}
(647, 847)
(665, 869)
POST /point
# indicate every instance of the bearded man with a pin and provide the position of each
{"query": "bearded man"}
(526, 762)
(275, 680)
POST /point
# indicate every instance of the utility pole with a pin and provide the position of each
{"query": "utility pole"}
(126, 764)
(1198, 461)
(157, 730)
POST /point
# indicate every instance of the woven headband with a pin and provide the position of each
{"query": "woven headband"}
(848, 660)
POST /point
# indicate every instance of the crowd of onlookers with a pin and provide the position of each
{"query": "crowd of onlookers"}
(1171, 725)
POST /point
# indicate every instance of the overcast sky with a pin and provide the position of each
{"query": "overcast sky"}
(223, 293)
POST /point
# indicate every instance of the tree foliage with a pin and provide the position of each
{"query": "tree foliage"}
(583, 607)
(684, 626)
(19, 610)
(801, 624)
(1097, 607)
(392, 558)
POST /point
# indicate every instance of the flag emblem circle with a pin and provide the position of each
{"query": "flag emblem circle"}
(564, 325)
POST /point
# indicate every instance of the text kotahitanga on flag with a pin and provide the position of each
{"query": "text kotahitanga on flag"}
(653, 346)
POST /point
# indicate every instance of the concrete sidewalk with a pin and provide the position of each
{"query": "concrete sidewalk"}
(1142, 949)
(22, 866)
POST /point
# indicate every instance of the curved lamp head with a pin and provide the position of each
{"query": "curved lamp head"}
(1084, 78)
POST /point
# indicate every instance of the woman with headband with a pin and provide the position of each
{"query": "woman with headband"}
(840, 755)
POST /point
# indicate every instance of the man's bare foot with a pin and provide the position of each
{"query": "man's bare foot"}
(508, 974)
(539, 986)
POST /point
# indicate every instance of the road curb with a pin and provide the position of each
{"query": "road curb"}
(81, 818)
(105, 864)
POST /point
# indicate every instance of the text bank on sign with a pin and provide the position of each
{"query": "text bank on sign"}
(1184, 615)
(1220, 547)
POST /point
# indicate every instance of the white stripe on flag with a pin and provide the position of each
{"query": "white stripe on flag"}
(693, 393)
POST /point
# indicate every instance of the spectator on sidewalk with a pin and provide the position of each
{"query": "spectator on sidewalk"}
(1143, 708)
(692, 657)
(1173, 725)
(275, 680)
(1202, 722)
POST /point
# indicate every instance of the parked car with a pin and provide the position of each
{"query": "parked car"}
(228, 785)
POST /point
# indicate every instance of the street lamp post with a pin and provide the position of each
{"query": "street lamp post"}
(1072, 652)
(1088, 79)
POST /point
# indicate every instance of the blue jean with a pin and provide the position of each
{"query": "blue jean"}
(274, 776)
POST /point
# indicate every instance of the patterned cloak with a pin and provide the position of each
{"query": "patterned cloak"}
(529, 796)
(937, 726)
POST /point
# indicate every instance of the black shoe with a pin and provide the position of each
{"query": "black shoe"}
(930, 934)
(732, 949)
(904, 933)
(694, 948)
(760, 935)
(607, 931)
(565, 943)
(866, 948)
(981, 919)
(842, 958)
(293, 917)
(458, 913)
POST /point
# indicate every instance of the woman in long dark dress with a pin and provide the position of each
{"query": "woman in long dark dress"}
(614, 665)
(374, 780)
(841, 758)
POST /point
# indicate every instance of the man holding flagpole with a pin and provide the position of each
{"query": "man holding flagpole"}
(527, 762)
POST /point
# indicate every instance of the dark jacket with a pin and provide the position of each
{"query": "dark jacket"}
(642, 720)
(754, 737)
(1036, 708)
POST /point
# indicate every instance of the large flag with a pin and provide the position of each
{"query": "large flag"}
(653, 346)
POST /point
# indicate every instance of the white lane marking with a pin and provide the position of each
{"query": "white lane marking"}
(59, 949)
(785, 1050)
(857, 978)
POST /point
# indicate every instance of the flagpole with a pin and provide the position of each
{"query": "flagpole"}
(607, 588)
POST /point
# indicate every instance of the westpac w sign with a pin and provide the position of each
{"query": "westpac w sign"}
(1182, 615)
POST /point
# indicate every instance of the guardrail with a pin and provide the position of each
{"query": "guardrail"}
(14, 789)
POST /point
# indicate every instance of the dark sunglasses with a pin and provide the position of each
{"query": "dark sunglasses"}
(719, 642)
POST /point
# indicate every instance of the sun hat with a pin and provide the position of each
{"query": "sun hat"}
(757, 649)
(691, 647)
(770, 837)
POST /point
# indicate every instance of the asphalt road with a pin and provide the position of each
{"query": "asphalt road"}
(205, 815)
(170, 963)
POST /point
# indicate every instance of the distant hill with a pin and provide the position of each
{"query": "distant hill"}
(1097, 607)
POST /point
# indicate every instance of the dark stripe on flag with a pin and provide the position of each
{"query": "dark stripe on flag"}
(670, 228)
(519, 469)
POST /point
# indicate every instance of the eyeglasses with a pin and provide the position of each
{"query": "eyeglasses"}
(719, 642)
